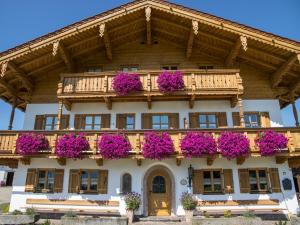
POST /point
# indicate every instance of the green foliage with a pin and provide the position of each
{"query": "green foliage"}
(188, 201)
(70, 214)
(281, 223)
(17, 212)
(30, 211)
(206, 214)
(4, 208)
(133, 201)
(249, 214)
(227, 214)
(47, 222)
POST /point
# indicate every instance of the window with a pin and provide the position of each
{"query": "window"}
(160, 122)
(258, 180)
(169, 67)
(158, 185)
(89, 181)
(126, 121)
(130, 68)
(126, 183)
(208, 121)
(45, 181)
(206, 67)
(129, 122)
(251, 120)
(94, 69)
(92, 122)
(50, 122)
(212, 181)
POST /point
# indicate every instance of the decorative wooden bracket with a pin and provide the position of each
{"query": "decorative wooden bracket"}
(67, 104)
(240, 160)
(61, 161)
(192, 101)
(25, 161)
(178, 160)
(139, 161)
(108, 103)
(103, 33)
(193, 32)
(281, 159)
(99, 161)
(240, 42)
(149, 101)
(3, 68)
(233, 101)
(148, 23)
(210, 161)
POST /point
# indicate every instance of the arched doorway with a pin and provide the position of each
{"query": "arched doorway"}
(159, 190)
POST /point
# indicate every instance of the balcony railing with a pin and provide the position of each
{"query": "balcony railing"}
(225, 83)
(136, 137)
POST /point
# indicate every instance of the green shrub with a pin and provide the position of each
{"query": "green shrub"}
(47, 222)
(4, 208)
(30, 211)
(206, 214)
(249, 214)
(132, 201)
(70, 214)
(17, 212)
(188, 201)
(227, 214)
(281, 223)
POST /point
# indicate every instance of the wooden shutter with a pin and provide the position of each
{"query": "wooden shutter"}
(31, 180)
(39, 122)
(74, 181)
(58, 180)
(265, 119)
(102, 181)
(65, 122)
(244, 181)
(146, 121)
(198, 182)
(121, 121)
(228, 181)
(236, 119)
(79, 122)
(275, 180)
(173, 120)
(105, 121)
(222, 119)
(194, 120)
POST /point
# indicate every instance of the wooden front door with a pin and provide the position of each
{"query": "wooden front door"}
(159, 193)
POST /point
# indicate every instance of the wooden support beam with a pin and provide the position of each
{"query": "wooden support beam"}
(284, 68)
(108, 103)
(59, 114)
(192, 101)
(139, 161)
(9, 88)
(148, 24)
(61, 161)
(25, 161)
(99, 161)
(241, 41)
(20, 74)
(12, 114)
(104, 34)
(193, 32)
(3, 68)
(178, 160)
(67, 104)
(149, 101)
(281, 159)
(233, 101)
(240, 160)
(210, 160)
(65, 55)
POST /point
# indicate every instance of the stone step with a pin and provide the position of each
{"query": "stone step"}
(160, 223)
(160, 219)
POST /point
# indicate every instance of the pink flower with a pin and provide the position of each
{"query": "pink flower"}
(169, 82)
(31, 143)
(125, 83)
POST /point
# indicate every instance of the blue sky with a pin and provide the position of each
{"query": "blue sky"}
(21, 21)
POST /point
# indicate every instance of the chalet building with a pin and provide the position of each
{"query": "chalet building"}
(236, 79)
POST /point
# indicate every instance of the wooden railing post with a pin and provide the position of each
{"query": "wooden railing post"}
(148, 82)
(291, 144)
(106, 83)
(138, 143)
(53, 143)
(193, 82)
(59, 115)
(14, 149)
(94, 146)
(241, 112)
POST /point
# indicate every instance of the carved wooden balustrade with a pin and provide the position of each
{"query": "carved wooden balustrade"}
(136, 137)
(225, 83)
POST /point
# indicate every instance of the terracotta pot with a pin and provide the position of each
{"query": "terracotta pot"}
(189, 215)
(130, 216)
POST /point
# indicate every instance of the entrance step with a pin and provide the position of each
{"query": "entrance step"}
(160, 219)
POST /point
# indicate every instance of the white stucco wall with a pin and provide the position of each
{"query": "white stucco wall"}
(117, 168)
(181, 107)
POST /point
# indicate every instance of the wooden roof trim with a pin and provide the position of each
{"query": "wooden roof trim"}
(172, 8)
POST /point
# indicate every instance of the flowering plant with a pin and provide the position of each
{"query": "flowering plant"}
(188, 201)
(197, 144)
(71, 146)
(125, 83)
(170, 82)
(30, 143)
(132, 201)
(233, 145)
(270, 142)
(157, 146)
(113, 146)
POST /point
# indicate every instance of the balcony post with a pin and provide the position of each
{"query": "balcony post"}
(295, 113)
(12, 114)
(241, 112)
(60, 106)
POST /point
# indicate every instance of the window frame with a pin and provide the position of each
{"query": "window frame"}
(259, 190)
(93, 121)
(212, 183)
(46, 183)
(93, 69)
(89, 172)
(163, 67)
(130, 68)
(160, 124)
(207, 123)
(54, 122)
(250, 114)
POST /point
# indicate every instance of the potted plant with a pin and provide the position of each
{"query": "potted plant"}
(170, 82)
(31, 143)
(270, 142)
(113, 146)
(125, 83)
(189, 204)
(157, 145)
(132, 201)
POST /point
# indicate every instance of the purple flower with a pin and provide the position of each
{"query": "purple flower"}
(132, 201)
(233, 145)
(71, 146)
(125, 83)
(157, 146)
(30, 143)
(270, 142)
(169, 82)
(197, 144)
(113, 146)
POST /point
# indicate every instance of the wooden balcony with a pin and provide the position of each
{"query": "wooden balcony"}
(199, 84)
(136, 137)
